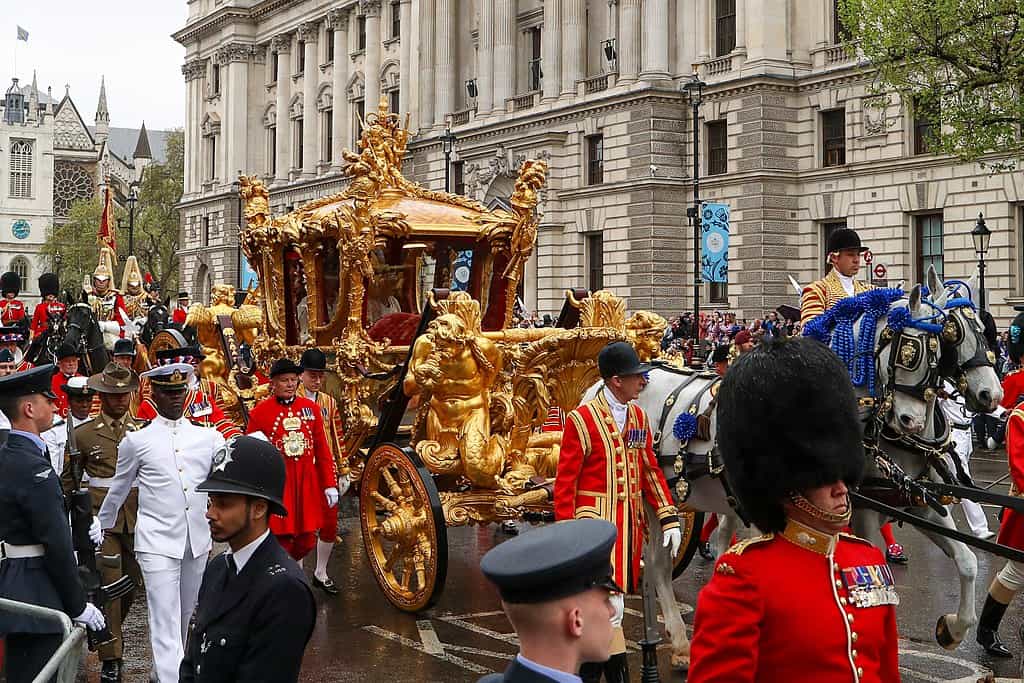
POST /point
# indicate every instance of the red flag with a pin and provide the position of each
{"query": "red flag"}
(107, 232)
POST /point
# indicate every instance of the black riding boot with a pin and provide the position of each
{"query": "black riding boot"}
(590, 672)
(616, 669)
(988, 628)
(111, 671)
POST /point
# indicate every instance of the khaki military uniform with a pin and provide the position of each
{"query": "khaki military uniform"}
(97, 440)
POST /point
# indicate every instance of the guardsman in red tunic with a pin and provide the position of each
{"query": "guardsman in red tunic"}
(12, 309)
(314, 365)
(67, 367)
(805, 602)
(49, 308)
(606, 470)
(1013, 382)
(1010, 579)
(200, 399)
(295, 425)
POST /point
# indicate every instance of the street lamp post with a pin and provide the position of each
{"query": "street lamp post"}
(695, 91)
(131, 200)
(981, 236)
(448, 140)
(58, 259)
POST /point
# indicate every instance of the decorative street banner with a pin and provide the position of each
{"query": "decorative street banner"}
(714, 242)
(248, 277)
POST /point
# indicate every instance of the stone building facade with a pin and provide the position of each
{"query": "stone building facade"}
(791, 137)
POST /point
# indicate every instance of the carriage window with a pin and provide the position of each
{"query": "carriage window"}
(462, 269)
(426, 270)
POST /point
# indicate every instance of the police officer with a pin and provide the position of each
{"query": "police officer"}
(805, 601)
(37, 564)
(555, 584)
(256, 612)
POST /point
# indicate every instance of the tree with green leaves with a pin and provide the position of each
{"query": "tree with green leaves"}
(958, 63)
(156, 227)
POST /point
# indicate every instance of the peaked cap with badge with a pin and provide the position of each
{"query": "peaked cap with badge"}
(37, 380)
(170, 377)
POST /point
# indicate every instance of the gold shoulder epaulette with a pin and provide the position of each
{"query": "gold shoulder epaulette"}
(854, 537)
(738, 547)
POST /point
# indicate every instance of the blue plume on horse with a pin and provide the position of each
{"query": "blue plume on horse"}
(685, 426)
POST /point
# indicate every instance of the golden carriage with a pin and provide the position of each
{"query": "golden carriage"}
(410, 293)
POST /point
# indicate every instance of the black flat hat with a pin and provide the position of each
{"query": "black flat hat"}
(620, 359)
(36, 380)
(553, 562)
(844, 238)
(284, 366)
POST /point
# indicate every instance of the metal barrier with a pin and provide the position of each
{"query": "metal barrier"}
(64, 662)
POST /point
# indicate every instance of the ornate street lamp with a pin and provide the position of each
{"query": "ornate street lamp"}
(981, 236)
(58, 259)
(448, 141)
(694, 89)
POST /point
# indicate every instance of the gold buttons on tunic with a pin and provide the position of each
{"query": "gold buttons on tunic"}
(853, 653)
(622, 496)
(620, 466)
(860, 671)
(853, 636)
(849, 618)
(842, 601)
(839, 584)
(621, 480)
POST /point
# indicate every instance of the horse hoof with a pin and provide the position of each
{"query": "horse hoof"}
(943, 634)
(681, 662)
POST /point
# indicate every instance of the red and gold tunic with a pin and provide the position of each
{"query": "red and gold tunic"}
(607, 474)
(1013, 389)
(12, 311)
(823, 294)
(1011, 529)
(797, 606)
(296, 428)
(332, 424)
(200, 407)
(41, 316)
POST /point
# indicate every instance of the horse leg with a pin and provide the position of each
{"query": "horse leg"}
(658, 569)
(951, 628)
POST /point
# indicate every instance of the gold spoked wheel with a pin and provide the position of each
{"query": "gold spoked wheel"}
(690, 523)
(403, 528)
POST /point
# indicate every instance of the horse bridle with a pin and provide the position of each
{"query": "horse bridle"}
(954, 332)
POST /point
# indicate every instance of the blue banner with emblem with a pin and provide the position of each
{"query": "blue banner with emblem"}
(247, 276)
(714, 242)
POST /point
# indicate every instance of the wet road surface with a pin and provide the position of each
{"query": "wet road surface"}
(360, 637)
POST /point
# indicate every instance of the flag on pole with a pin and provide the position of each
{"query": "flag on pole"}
(22, 34)
(106, 237)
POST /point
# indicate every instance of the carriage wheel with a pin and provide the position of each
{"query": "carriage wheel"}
(404, 532)
(690, 523)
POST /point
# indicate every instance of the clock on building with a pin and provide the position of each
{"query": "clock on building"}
(21, 228)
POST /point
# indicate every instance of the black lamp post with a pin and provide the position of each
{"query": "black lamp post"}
(981, 236)
(695, 91)
(131, 200)
(58, 259)
(448, 140)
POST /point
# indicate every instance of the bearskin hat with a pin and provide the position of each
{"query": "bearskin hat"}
(1015, 343)
(10, 282)
(49, 284)
(787, 422)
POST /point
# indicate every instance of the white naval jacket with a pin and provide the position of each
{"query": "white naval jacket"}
(168, 459)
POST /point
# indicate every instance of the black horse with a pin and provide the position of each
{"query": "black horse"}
(158, 318)
(82, 332)
(43, 347)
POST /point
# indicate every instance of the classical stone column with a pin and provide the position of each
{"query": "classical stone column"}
(504, 52)
(193, 72)
(405, 58)
(282, 45)
(444, 60)
(338, 20)
(629, 43)
(551, 49)
(485, 58)
(574, 28)
(427, 64)
(234, 58)
(371, 59)
(703, 31)
(655, 40)
(309, 33)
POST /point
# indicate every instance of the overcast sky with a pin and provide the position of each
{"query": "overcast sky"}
(74, 42)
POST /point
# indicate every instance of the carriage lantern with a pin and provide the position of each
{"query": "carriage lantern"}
(981, 236)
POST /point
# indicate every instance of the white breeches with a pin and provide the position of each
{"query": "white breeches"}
(172, 590)
(973, 512)
(1012, 576)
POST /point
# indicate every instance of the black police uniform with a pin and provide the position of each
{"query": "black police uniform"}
(32, 514)
(554, 562)
(251, 626)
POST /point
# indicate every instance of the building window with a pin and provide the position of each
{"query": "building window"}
(300, 57)
(926, 128)
(536, 73)
(718, 152)
(459, 177)
(327, 154)
(21, 169)
(297, 144)
(839, 32)
(206, 231)
(826, 232)
(595, 159)
(359, 112)
(1019, 253)
(215, 80)
(211, 157)
(361, 32)
(833, 137)
(329, 44)
(396, 19)
(595, 261)
(272, 149)
(394, 100)
(274, 59)
(718, 292)
(929, 244)
(725, 27)
(19, 265)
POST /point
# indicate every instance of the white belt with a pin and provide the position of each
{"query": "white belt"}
(10, 551)
(102, 482)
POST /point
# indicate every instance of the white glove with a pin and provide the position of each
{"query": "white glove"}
(91, 618)
(332, 496)
(96, 532)
(343, 484)
(109, 327)
(619, 604)
(673, 539)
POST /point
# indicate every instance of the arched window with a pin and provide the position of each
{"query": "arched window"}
(19, 265)
(21, 169)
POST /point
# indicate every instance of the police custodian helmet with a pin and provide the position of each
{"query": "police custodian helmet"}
(787, 422)
(248, 466)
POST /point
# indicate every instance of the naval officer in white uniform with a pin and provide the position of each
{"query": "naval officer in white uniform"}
(170, 456)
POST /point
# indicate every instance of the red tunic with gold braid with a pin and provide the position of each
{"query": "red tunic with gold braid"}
(332, 424)
(200, 408)
(797, 606)
(41, 317)
(1013, 389)
(297, 430)
(1011, 529)
(11, 311)
(607, 474)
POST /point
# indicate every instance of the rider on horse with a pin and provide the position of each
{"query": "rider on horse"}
(136, 299)
(106, 302)
(49, 308)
